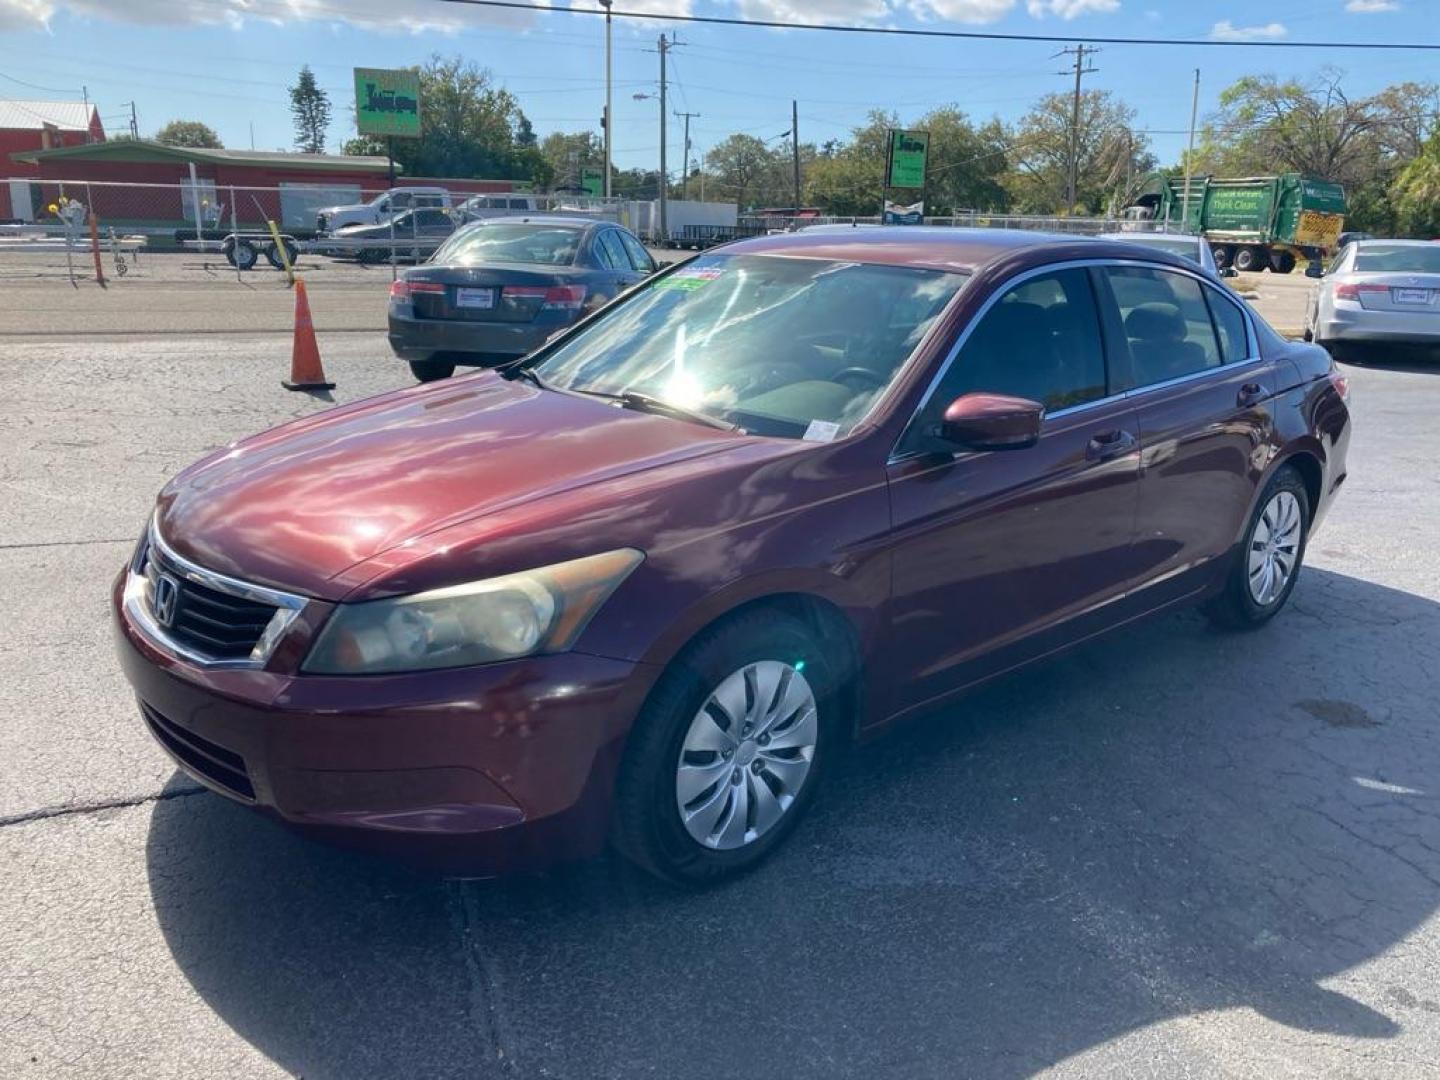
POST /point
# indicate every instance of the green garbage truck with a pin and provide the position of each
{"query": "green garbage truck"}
(1251, 222)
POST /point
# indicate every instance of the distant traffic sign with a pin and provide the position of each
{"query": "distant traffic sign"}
(387, 102)
(907, 158)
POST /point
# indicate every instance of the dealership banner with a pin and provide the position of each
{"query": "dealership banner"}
(387, 102)
(910, 214)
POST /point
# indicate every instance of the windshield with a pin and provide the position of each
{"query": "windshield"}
(1183, 246)
(781, 346)
(1401, 258)
(518, 242)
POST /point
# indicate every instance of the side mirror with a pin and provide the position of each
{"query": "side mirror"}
(1229, 272)
(1315, 270)
(982, 421)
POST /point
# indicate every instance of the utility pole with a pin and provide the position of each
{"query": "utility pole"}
(134, 123)
(685, 176)
(1189, 155)
(795, 145)
(664, 48)
(1079, 52)
(607, 121)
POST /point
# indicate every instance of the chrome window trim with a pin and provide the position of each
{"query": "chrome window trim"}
(1251, 337)
(136, 604)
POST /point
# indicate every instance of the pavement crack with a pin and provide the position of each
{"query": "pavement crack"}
(67, 543)
(486, 994)
(66, 809)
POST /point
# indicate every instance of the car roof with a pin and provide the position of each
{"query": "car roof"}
(544, 219)
(1375, 241)
(930, 247)
(1147, 237)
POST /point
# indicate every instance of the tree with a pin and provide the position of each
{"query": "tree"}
(568, 155)
(1111, 156)
(743, 169)
(1416, 193)
(469, 128)
(189, 133)
(310, 110)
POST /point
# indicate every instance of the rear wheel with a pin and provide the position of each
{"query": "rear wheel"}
(272, 253)
(1268, 562)
(1282, 262)
(243, 255)
(1251, 259)
(729, 751)
(431, 370)
(1222, 256)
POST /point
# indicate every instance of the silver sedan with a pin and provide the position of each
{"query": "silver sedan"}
(1378, 292)
(1186, 246)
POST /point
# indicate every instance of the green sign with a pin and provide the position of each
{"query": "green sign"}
(593, 181)
(387, 102)
(907, 159)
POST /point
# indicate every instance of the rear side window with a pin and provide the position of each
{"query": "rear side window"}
(1230, 325)
(1166, 323)
(639, 257)
(610, 251)
(1040, 340)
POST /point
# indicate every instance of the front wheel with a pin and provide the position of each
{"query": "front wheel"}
(431, 370)
(1251, 259)
(729, 751)
(1268, 562)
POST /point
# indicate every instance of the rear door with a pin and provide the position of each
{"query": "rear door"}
(1190, 362)
(991, 549)
(617, 272)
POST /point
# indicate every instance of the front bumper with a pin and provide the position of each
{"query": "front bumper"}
(422, 339)
(478, 771)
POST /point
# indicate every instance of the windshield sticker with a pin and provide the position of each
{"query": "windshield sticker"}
(690, 280)
(821, 431)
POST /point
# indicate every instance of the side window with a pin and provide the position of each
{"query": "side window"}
(639, 257)
(1167, 325)
(519, 204)
(1040, 340)
(1230, 325)
(611, 252)
(400, 200)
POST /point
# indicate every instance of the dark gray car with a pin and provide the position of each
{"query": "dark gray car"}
(498, 288)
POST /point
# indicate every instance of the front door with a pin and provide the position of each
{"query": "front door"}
(991, 548)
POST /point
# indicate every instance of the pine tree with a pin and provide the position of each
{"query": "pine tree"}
(310, 107)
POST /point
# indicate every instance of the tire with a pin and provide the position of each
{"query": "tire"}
(1222, 256)
(432, 370)
(1282, 262)
(243, 255)
(1250, 599)
(272, 253)
(1251, 259)
(682, 727)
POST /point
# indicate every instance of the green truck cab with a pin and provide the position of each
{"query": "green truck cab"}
(1250, 222)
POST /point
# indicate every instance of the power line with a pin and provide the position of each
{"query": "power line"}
(973, 35)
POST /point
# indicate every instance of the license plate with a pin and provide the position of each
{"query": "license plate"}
(475, 298)
(1412, 296)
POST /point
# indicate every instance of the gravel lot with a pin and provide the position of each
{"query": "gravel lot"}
(1172, 852)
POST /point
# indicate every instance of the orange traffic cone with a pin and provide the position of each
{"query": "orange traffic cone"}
(306, 372)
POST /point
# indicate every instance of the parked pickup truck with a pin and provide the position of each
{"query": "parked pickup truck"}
(381, 208)
(1250, 222)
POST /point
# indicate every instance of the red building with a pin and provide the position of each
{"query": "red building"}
(141, 184)
(38, 125)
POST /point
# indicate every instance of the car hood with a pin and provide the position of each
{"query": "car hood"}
(296, 506)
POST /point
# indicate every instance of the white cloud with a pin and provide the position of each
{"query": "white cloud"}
(1070, 9)
(1225, 30)
(965, 11)
(801, 10)
(400, 16)
(1370, 7)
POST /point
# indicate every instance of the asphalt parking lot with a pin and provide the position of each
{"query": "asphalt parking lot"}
(1171, 852)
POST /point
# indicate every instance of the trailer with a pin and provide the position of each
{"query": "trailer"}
(1250, 222)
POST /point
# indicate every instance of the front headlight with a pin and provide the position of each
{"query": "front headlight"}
(498, 619)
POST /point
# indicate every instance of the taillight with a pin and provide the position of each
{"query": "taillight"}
(1341, 384)
(551, 297)
(403, 290)
(1352, 292)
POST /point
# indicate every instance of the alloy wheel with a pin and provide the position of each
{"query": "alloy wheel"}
(1274, 548)
(746, 754)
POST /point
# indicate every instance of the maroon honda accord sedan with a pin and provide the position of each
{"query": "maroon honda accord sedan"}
(641, 586)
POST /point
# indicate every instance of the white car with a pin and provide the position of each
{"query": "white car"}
(1378, 292)
(381, 208)
(1185, 245)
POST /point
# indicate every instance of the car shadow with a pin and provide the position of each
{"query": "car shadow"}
(1163, 823)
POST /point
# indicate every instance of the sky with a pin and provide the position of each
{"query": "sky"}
(228, 62)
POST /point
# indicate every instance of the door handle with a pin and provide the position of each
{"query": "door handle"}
(1251, 393)
(1110, 444)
